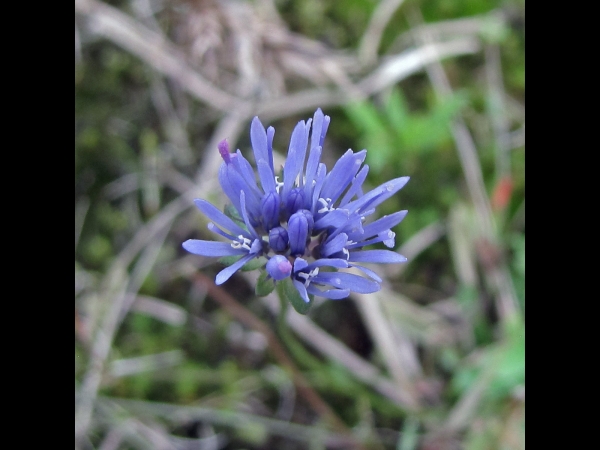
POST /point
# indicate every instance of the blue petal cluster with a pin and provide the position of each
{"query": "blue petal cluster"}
(309, 223)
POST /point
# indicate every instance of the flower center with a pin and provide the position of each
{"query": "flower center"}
(308, 276)
(242, 242)
(326, 205)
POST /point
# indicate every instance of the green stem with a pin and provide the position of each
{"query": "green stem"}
(294, 346)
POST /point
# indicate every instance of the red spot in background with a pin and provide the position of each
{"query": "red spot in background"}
(502, 193)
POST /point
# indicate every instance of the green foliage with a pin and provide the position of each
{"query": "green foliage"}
(287, 291)
(393, 133)
(264, 285)
(231, 212)
(517, 244)
(502, 365)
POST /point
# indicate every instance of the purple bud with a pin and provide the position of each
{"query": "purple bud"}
(298, 233)
(309, 219)
(278, 239)
(295, 200)
(224, 151)
(270, 210)
(278, 267)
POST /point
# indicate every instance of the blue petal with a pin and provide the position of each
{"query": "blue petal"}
(211, 248)
(343, 280)
(227, 272)
(215, 229)
(311, 172)
(267, 177)
(230, 191)
(385, 223)
(245, 215)
(335, 219)
(218, 217)
(257, 246)
(324, 128)
(335, 245)
(245, 175)
(270, 135)
(356, 187)
(238, 185)
(333, 294)
(387, 237)
(331, 262)
(321, 174)
(302, 290)
(377, 256)
(378, 195)
(353, 225)
(245, 170)
(258, 138)
(342, 174)
(369, 272)
(300, 264)
(295, 158)
(317, 126)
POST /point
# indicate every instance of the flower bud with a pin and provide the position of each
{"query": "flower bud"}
(278, 239)
(278, 267)
(309, 219)
(295, 200)
(223, 147)
(298, 233)
(270, 210)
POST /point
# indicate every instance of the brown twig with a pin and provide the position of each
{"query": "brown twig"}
(249, 319)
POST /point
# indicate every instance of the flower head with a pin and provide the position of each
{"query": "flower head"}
(307, 226)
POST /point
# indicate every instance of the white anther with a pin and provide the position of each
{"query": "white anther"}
(308, 276)
(242, 243)
(278, 185)
(326, 205)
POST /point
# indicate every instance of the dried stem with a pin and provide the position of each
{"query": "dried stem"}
(369, 44)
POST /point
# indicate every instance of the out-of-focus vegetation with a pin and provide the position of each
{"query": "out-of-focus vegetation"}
(433, 89)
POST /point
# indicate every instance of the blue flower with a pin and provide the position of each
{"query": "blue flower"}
(310, 224)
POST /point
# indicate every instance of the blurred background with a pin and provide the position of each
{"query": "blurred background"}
(164, 359)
